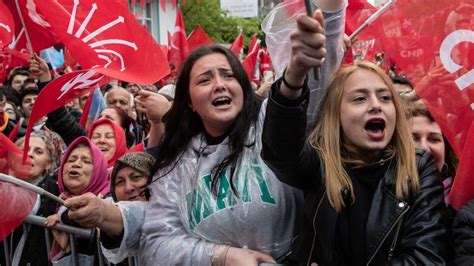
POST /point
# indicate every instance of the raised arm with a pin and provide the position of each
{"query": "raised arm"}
(285, 148)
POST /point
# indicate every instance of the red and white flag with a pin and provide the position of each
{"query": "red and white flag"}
(105, 34)
(197, 38)
(250, 63)
(178, 48)
(237, 45)
(7, 26)
(36, 29)
(434, 46)
(59, 92)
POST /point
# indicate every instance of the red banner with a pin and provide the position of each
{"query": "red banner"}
(38, 30)
(197, 38)
(237, 45)
(101, 33)
(59, 92)
(7, 26)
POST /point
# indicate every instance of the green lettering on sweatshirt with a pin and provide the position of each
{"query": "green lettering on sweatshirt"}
(265, 195)
(201, 203)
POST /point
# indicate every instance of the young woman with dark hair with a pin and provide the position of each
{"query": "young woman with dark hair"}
(213, 200)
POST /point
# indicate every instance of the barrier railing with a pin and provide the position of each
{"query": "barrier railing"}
(73, 232)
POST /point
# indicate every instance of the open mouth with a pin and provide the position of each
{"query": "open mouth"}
(73, 173)
(375, 128)
(222, 101)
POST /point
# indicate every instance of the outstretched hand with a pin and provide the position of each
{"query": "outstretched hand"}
(88, 210)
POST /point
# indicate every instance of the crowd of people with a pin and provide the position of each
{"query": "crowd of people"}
(209, 171)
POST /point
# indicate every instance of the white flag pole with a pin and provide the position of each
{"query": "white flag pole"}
(372, 18)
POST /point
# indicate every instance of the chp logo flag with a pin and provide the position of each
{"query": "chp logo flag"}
(7, 26)
(435, 49)
(32, 31)
(104, 34)
(59, 92)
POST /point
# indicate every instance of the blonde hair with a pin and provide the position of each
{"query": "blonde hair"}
(50, 149)
(327, 139)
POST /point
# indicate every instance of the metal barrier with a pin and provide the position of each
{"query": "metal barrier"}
(73, 232)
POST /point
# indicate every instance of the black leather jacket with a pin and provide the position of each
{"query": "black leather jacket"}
(398, 232)
(463, 235)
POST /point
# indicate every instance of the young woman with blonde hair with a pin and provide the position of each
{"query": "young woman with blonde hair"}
(371, 199)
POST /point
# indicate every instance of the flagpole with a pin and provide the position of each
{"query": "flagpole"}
(309, 12)
(31, 187)
(372, 18)
(29, 46)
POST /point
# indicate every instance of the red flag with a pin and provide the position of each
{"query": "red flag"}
(250, 63)
(237, 45)
(434, 46)
(69, 61)
(17, 202)
(10, 59)
(265, 63)
(99, 33)
(7, 26)
(59, 92)
(10, 159)
(197, 38)
(463, 186)
(253, 42)
(38, 30)
(178, 48)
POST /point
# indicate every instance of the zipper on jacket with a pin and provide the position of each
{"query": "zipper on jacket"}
(387, 234)
(314, 228)
(394, 243)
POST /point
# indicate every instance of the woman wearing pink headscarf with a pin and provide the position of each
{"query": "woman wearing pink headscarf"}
(109, 138)
(83, 169)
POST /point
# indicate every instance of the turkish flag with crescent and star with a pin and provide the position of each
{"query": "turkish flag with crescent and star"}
(7, 26)
(237, 45)
(105, 34)
(197, 38)
(37, 28)
(178, 48)
(435, 49)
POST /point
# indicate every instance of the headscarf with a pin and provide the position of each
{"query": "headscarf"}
(120, 140)
(139, 161)
(99, 181)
